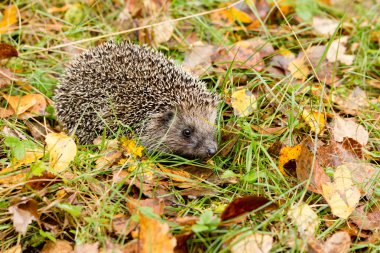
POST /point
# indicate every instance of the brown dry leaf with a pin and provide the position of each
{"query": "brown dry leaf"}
(244, 54)
(15, 249)
(341, 195)
(367, 219)
(308, 168)
(364, 176)
(198, 60)
(156, 204)
(337, 52)
(240, 206)
(339, 242)
(298, 68)
(306, 220)
(228, 140)
(58, 246)
(252, 242)
(163, 32)
(23, 213)
(326, 71)
(6, 112)
(7, 51)
(62, 149)
(348, 128)
(280, 62)
(87, 248)
(108, 158)
(123, 224)
(9, 18)
(325, 26)
(6, 76)
(154, 236)
(39, 130)
(243, 102)
(352, 104)
(316, 120)
(287, 159)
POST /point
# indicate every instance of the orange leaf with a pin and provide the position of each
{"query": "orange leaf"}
(154, 236)
(21, 104)
(9, 18)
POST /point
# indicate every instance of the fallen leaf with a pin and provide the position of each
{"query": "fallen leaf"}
(298, 68)
(21, 104)
(337, 52)
(306, 220)
(62, 149)
(7, 51)
(367, 219)
(31, 155)
(287, 159)
(243, 102)
(325, 70)
(23, 213)
(316, 120)
(6, 112)
(240, 206)
(154, 236)
(348, 128)
(58, 246)
(352, 104)
(325, 26)
(198, 60)
(123, 224)
(9, 18)
(163, 32)
(14, 249)
(252, 242)
(87, 248)
(339, 242)
(244, 54)
(341, 195)
(308, 168)
(107, 159)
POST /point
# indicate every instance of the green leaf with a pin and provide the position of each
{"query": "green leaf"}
(73, 210)
(306, 9)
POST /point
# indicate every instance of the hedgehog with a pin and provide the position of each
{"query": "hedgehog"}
(123, 84)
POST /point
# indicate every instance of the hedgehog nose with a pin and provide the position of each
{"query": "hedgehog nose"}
(211, 151)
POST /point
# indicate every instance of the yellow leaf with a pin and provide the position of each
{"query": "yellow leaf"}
(240, 16)
(298, 68)
(252, 243)
(287, 154)
(316, 120)
(9, 18)
(30, 157)
(62, 149)
(131, 147)
(341, 195)
(305, 218)
(243, 102)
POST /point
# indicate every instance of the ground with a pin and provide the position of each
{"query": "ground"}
(298, 130)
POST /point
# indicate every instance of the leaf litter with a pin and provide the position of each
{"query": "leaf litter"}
(182, 202)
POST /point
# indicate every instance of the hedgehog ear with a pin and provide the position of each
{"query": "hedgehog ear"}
(167, 116)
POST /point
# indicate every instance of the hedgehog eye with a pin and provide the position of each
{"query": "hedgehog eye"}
(186, 132)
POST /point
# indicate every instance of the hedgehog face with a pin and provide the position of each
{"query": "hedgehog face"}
(189, 132)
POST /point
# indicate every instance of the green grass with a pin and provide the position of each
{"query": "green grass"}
(40, 41)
